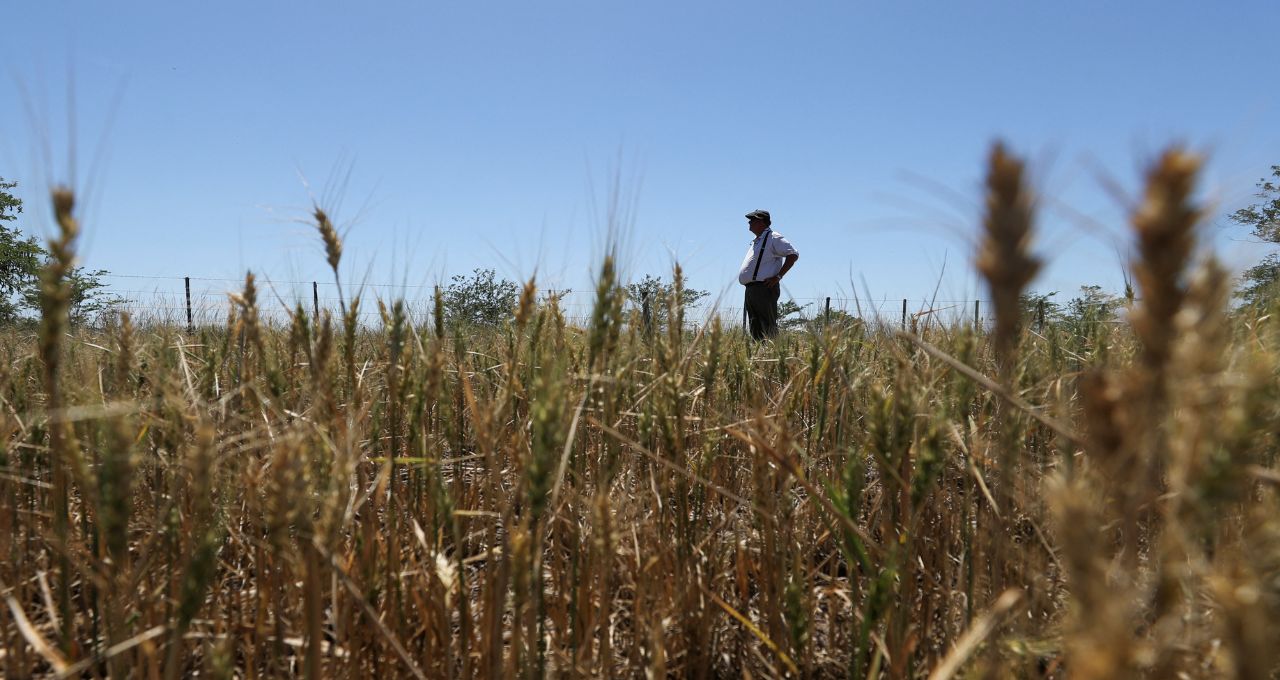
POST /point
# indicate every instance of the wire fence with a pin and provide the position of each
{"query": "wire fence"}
(204, 300)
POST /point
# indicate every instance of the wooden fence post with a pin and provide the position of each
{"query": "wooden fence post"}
(191, 326)
(904, 314)
(644, 314)
(977, 314)
(826, 312)
(315, 301)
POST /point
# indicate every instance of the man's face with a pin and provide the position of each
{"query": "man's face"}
(757, 225)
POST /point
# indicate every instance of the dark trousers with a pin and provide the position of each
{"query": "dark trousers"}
(762, 310)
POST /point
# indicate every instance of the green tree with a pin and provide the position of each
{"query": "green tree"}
(90, 299)
(1092, 306)
(1261, 282)
(834, 319)
(19, 258)
(1034, 305)
(651, 294)
(10, 205)
(481, 298)
(1087, 315)
(791, 314)
(20, 262)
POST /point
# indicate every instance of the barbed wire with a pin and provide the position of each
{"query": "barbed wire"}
(884, 299)
(181, 301)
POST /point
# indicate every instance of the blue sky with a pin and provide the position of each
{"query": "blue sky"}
(450, 136)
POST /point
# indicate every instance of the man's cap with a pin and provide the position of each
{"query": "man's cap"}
(759, 214)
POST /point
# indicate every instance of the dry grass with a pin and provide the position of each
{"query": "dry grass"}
(329, 500)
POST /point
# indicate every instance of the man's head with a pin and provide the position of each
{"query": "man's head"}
(758, 221)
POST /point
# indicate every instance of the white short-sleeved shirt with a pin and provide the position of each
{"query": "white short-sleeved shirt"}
(776, 249)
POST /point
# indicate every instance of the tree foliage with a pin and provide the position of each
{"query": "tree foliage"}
(1261, 282)
(1037, 307)
(10, 205)
(1258, 284)
(835, 319)
(1083, 316)
(480, 298)
(1263, 217)
(21, 259)
(651, 297)
(89, 299)
(1093, 305)
(791, 314)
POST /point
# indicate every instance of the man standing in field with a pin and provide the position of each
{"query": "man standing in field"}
(768, 259)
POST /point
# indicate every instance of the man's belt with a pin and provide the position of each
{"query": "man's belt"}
(753, 283)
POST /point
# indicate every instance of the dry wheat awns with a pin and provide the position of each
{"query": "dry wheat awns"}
(1165, 224)
(328, 234)
(1004, 252)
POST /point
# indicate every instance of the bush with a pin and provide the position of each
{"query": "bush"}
(481, 298)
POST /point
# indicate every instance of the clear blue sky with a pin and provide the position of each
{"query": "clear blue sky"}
(449, 136)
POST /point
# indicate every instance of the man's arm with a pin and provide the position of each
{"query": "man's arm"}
(787, 263)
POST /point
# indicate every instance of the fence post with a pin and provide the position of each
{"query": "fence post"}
(315, 301)
(644, 313)
(1040, 315)
(826, 312)
(191, 327)
(904, 314)
(977, 314)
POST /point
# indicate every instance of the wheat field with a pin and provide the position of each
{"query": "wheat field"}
(330, 499)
